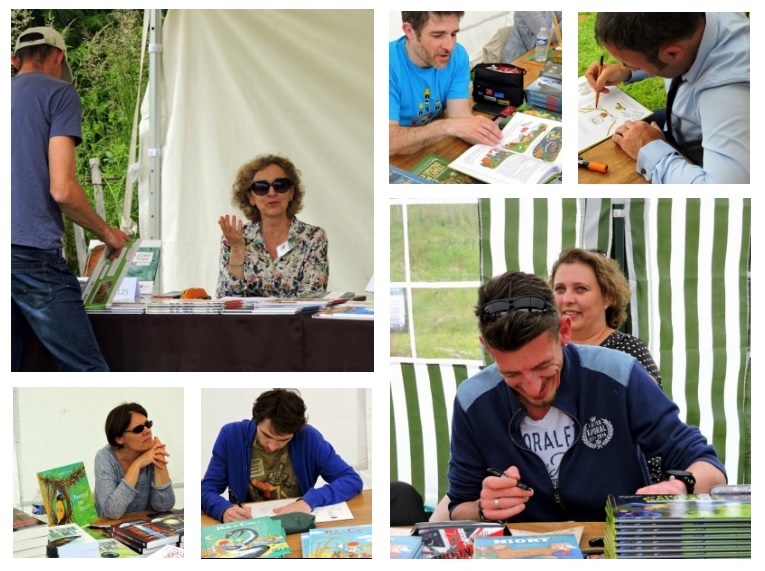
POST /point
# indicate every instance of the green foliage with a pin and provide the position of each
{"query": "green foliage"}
(650, 92)
(104, 52)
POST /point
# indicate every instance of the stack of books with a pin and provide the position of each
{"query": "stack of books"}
(682, 526)
(260, 537)
(169, 552)
(353, 542)
(111, 548)
(546, 93)
(356, 310)
(405, 547)
(145, 536)
(552, 546)
(174, 521)
(162, 306)
(70, 540)
(30, 535)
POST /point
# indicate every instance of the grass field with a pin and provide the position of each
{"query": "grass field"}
(649, 92)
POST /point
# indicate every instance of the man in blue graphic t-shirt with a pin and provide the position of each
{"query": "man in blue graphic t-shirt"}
(429, 78)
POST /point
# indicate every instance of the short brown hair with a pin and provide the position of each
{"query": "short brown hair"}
(515, 329)
(283, 407)
(118, 420)
(418, 19)
(244, 180)
(39, 53)
(613, 284)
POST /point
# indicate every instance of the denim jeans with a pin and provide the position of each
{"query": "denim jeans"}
(47, 295)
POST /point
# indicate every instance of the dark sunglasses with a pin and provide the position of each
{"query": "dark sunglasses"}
(139, 429)
(281, 185)
(526, 303)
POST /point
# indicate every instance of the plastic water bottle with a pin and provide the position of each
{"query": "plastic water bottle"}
(543, 38)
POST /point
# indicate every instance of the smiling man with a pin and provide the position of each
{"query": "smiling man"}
(429, 78)
(567, 421)
(273, 456)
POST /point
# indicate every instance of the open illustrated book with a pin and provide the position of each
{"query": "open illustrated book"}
(528, 153)
(614, 108)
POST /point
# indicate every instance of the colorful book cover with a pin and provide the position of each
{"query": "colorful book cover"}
(145, 265)
(629, 510)
(144, 533)
(405, 547)
(454, 542)
(436, 168)
(554, 546)
(360, 310)
(173, 521)
(66, 495)
(103, 283)
(70, 538)
(252, 538)
(353, 542)
(111, 548)
(400, 176)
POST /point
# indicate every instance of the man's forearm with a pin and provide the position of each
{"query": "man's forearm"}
(74, 204)
(466, 510)
(408, 140)
(706, 475)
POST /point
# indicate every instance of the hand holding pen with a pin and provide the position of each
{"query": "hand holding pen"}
(237, 511)
(601, 75)
(503, 495)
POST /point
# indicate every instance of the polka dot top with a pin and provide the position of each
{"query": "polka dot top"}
(633, 346)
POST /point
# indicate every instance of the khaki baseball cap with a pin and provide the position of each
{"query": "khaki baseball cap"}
(42, 36)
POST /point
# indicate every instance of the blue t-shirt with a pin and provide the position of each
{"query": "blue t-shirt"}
(418, 95)
(41, 107)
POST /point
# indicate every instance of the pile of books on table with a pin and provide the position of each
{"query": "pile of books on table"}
(547, 546)
(546, 93)
(30, 535)
(147, 537)
(352, 542)
(682, 526)
(356, 310)
(260, 537)
(69, 541)
(163, 306)
(454, 539)
(405, 547)
(284, 306)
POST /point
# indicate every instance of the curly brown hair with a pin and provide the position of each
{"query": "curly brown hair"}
(244, 179)
(613, 284)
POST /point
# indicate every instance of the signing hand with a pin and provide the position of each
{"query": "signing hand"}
(501, 498)
(612, 74)
(235, 513)
(232, 231)
(298, 506)
(634, 135)
(475, 129)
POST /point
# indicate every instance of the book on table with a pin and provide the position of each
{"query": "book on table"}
(70, 540)
(66, 495)
(144, 534)
(253, 538)
(547, 546)
(528, 153)
(436, 168)
(454, 539)
(111, 548)
(168, 552)
(145, 265)
(354, 310)
(405, 547)
(352, 542)
(30, 535)
(400, 176)
(597, 124)
(106, 277)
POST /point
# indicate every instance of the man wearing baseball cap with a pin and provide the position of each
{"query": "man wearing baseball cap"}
(46, 119)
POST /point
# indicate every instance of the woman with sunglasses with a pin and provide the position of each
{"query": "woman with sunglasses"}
(590, 288)
(131, 471)
(275, 254)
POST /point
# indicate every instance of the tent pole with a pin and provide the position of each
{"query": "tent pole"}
(155, 124)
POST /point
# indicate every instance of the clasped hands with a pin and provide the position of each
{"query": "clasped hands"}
(501, 498)
(155, 455)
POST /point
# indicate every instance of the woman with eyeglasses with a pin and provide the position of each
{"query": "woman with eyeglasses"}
(274, 254)
(590, 288)
(131, 471)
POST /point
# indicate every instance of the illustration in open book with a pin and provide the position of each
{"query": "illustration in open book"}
(596, 124)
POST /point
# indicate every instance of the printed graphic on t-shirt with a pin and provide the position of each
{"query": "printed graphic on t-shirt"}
(549, 438)
(425, 112)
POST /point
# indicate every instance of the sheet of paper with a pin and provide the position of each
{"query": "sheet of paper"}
(335, 512)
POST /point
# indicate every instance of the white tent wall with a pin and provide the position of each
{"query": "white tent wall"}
(239, 83)
(59, 426)
(343, 416)
(476, 28)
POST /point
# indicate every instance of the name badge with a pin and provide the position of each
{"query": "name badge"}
(285, 247)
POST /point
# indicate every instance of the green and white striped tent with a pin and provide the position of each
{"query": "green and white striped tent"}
(688, 265)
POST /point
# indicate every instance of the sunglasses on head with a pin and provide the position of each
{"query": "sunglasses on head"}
(281, 185)
(526, 304)
(139, 429)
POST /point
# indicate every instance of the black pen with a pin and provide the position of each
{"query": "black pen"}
(500, 474)
(236, 500)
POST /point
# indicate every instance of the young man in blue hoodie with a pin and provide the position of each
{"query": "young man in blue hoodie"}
(274, 455)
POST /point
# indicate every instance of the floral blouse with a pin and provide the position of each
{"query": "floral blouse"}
(302, 270)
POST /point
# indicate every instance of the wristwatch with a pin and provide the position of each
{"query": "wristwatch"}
(685, 477)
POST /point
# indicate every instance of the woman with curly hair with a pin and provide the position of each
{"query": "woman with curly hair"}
(274, 254)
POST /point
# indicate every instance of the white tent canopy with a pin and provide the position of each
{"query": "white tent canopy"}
(239, 83)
